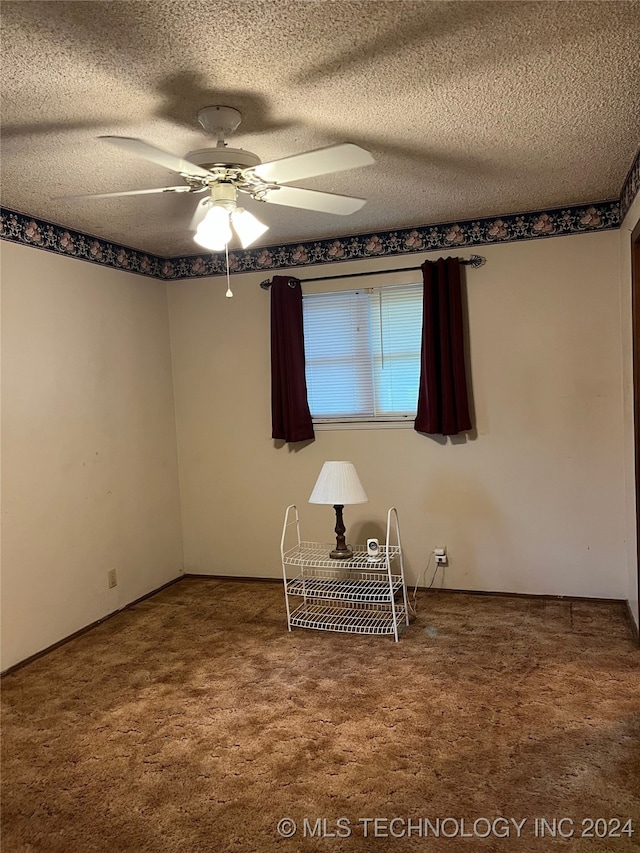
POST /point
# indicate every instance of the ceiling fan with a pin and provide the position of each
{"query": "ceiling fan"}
(224, 172)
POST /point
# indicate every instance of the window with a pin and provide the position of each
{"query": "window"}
(362, 353)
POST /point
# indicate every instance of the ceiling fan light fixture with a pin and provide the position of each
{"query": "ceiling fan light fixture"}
(225, 171)
(214, 232)
(247, 227)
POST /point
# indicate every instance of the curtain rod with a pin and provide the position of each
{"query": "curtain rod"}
(474, 262)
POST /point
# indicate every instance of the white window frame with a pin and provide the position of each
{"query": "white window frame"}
(395, 421)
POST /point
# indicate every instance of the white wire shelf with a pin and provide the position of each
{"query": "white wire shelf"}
(349, 585)
(316, 555)
(351, 619)
(357, 595)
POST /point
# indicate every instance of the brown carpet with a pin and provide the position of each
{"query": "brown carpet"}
(195, 722)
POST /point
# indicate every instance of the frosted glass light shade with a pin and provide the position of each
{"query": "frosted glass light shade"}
(214, 232)
(247, 227)
(338, 484)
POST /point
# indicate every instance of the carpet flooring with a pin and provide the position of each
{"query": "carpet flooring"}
(194, 722)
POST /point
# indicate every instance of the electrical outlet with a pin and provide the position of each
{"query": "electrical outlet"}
(441, 556)
(112, 578)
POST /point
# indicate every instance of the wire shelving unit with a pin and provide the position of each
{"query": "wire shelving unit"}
(360, 595)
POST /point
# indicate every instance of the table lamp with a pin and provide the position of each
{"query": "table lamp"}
(338, 484)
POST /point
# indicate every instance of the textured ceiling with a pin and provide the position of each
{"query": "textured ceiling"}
(470, 108)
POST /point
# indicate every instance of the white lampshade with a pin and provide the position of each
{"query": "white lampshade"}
(337, 484)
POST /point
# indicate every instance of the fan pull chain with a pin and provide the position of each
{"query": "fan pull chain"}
(226, 252)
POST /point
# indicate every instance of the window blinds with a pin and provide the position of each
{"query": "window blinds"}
(396, 337)
(362, 352)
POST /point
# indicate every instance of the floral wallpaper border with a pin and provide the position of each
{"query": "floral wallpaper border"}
(473, 232)
(19, 228)
(599, 216)
(631, 187)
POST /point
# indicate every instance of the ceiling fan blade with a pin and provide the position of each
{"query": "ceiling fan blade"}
(322, 161)
(314, 200)
(156, 155)
(180, 189)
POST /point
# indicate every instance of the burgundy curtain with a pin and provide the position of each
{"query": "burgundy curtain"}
(443, 407)
(290, 417)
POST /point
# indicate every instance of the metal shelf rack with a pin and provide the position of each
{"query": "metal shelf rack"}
(359, 595)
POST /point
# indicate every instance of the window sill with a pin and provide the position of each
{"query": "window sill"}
(405, 423)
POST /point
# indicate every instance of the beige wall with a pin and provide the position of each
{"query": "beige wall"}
(630, 221)
(534, 503)
(89, 468)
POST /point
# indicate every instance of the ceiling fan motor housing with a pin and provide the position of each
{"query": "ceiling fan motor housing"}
(228, 158)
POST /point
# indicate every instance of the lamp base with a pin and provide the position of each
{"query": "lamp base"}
(342, 550)
(341, 554)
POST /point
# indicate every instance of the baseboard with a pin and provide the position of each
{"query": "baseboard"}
(231, 578)
(632, 624)
(87, 628)
(578, 598)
